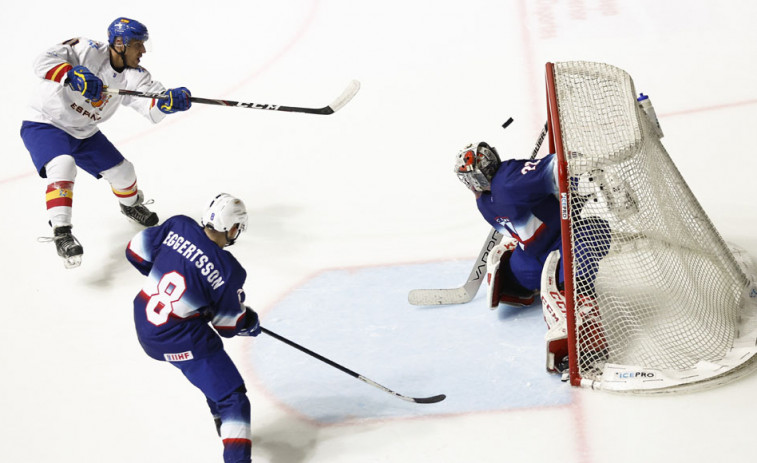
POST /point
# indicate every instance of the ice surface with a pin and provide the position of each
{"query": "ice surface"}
(349, 212)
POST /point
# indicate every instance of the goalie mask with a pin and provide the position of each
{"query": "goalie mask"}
(475, 166)
(223, 213)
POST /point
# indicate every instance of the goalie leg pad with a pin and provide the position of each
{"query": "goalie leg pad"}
(591, 334)
(553, 307)
(501, 286)
(590, 330)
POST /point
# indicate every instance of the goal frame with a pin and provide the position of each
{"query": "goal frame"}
(556, 146)
(737, 360)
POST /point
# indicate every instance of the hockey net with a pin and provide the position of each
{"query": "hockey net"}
(657, 301)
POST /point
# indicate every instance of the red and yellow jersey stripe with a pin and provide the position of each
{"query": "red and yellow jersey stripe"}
(58, 73)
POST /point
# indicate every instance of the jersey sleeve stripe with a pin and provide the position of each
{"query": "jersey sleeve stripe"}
(227, 322)
(137, 249)
(56, 74)
(134, 255)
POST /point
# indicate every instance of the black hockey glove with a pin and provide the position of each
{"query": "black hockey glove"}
(251, 326)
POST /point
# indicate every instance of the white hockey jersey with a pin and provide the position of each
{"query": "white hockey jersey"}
(56, 104)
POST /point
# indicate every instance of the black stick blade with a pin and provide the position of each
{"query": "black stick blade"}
(430, 400)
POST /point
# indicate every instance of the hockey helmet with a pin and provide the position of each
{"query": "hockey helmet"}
(475, 166)
(223, 213)
(128, 30)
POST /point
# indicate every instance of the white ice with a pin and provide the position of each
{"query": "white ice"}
(348, 213)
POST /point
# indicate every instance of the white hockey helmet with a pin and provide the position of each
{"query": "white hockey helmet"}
(475, 165)
(223, 213)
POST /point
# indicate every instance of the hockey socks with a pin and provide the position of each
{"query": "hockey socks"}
(59, 199)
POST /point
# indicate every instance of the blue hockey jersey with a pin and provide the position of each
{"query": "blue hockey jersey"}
(190, 281)
(523, 203)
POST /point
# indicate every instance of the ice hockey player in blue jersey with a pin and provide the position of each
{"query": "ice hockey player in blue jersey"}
(61, 130)
(193, 283)
(519, 198)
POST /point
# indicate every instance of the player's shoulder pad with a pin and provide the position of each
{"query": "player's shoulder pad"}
(237, 270)
(139, 70)
(510, 167)
(181, 218)
(95, 44)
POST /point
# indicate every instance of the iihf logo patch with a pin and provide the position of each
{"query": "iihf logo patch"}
(179, 357)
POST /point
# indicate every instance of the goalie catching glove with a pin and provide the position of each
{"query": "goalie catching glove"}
(500, 288)
(251, 326)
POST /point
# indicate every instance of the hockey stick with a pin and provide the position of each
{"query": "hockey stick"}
(419, 400)
(542, 135)
(467, 291)
(342, 100)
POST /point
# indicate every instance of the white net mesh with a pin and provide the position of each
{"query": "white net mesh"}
(656, 287)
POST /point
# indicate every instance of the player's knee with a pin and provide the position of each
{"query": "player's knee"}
(237, 396)
(61, 168)
(121, 176)
(241, 389)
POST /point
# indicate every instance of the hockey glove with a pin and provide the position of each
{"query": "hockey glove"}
(178, 100)
(251, 326)
(81, 80)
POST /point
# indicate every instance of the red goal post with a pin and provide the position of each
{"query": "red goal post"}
(656, 300)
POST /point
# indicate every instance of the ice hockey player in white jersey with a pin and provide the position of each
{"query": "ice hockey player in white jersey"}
(61, 129)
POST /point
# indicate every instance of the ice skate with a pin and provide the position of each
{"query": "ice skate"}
(139, 213)
(68, 246)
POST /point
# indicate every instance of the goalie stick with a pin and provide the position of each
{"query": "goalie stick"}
(419, 400)
(337, 104)
(468, 291)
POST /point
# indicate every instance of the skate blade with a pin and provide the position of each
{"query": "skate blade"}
(72, 262)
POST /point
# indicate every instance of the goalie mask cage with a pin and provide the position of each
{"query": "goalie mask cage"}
(656, 300)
